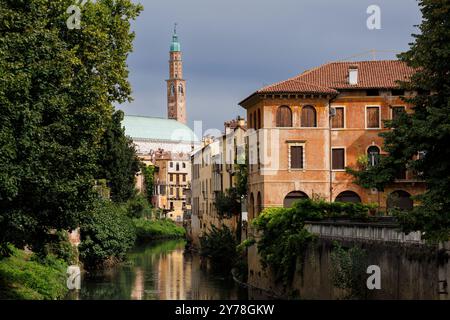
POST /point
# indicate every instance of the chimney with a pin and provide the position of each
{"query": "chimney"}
(353, 75)
(241, 122)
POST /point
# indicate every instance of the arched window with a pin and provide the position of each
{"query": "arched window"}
(181, 89)
(348, 196)
(373, 154)
(178, 167)
(259, 119)
(309, 117)
(258, 204)
(255, 125)
(294, 196)
(399, 200)
(284, 117)
(172, 89)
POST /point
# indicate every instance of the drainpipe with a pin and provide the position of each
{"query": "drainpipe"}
(330, 157)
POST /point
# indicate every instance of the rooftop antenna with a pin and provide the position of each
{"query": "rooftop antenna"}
(372, 52)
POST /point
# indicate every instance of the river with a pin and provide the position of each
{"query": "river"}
(160, 271)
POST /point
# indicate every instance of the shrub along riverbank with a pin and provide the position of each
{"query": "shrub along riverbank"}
(113, 229)
(147, 230)
(25, 276)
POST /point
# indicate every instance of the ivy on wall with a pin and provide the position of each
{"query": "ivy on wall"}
(348, 270)
(284, 238)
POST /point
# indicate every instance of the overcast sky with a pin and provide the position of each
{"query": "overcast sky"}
(232, 48)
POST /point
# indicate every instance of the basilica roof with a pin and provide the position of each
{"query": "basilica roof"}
(157, 129)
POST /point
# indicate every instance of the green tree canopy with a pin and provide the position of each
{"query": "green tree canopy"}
(57, 89)
(118, 161)
(427, 130)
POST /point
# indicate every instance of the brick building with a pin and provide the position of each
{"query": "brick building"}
(306, 130)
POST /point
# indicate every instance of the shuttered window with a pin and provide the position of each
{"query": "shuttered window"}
(397, 111)
(284, 117)
(373, 117)
(338, 119)
(309, 117)
(296, 157)
(338, 159)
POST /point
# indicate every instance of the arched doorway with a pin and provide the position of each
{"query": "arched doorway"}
(399, 200)
(251, 208)
(258, 204)
(348, 196)
(292, 197)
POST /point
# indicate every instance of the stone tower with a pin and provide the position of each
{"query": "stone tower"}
(176, 85)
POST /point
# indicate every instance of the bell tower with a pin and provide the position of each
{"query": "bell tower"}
(176, 85)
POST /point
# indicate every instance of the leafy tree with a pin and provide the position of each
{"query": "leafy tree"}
(219, 245)
(228, 204)
(426, 130)
(118, 162)
(241, 179)
(149, 178)
(107, 233)
(57, 89)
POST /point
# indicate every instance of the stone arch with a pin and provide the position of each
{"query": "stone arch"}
(348, 196)
(399, 199)
(292, 197)
(284, 117)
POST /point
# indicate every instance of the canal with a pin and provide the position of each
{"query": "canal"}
(160, 271)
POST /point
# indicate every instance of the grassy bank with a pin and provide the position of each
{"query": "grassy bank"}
(157, 229)
(24, 277)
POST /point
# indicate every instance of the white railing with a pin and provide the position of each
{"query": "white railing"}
(368, 231)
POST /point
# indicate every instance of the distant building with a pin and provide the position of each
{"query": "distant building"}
(172, 183)
(165, 141)
(213, 172)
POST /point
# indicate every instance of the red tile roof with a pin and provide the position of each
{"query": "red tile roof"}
(331, 77)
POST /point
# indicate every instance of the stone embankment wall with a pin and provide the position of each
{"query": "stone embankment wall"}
(410, 269)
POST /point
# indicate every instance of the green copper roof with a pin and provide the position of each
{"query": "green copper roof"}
(139, 127)
(175, 46)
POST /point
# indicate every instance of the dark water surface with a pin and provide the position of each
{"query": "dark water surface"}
(160, 271)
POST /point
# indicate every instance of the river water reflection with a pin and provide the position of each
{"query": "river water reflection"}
(161, 271)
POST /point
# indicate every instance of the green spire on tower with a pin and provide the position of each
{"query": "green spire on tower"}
(175, 46)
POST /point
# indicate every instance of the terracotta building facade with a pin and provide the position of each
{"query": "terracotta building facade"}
(304, 132)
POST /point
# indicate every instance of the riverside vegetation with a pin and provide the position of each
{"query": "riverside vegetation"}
(60, 135)
(107, 234)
